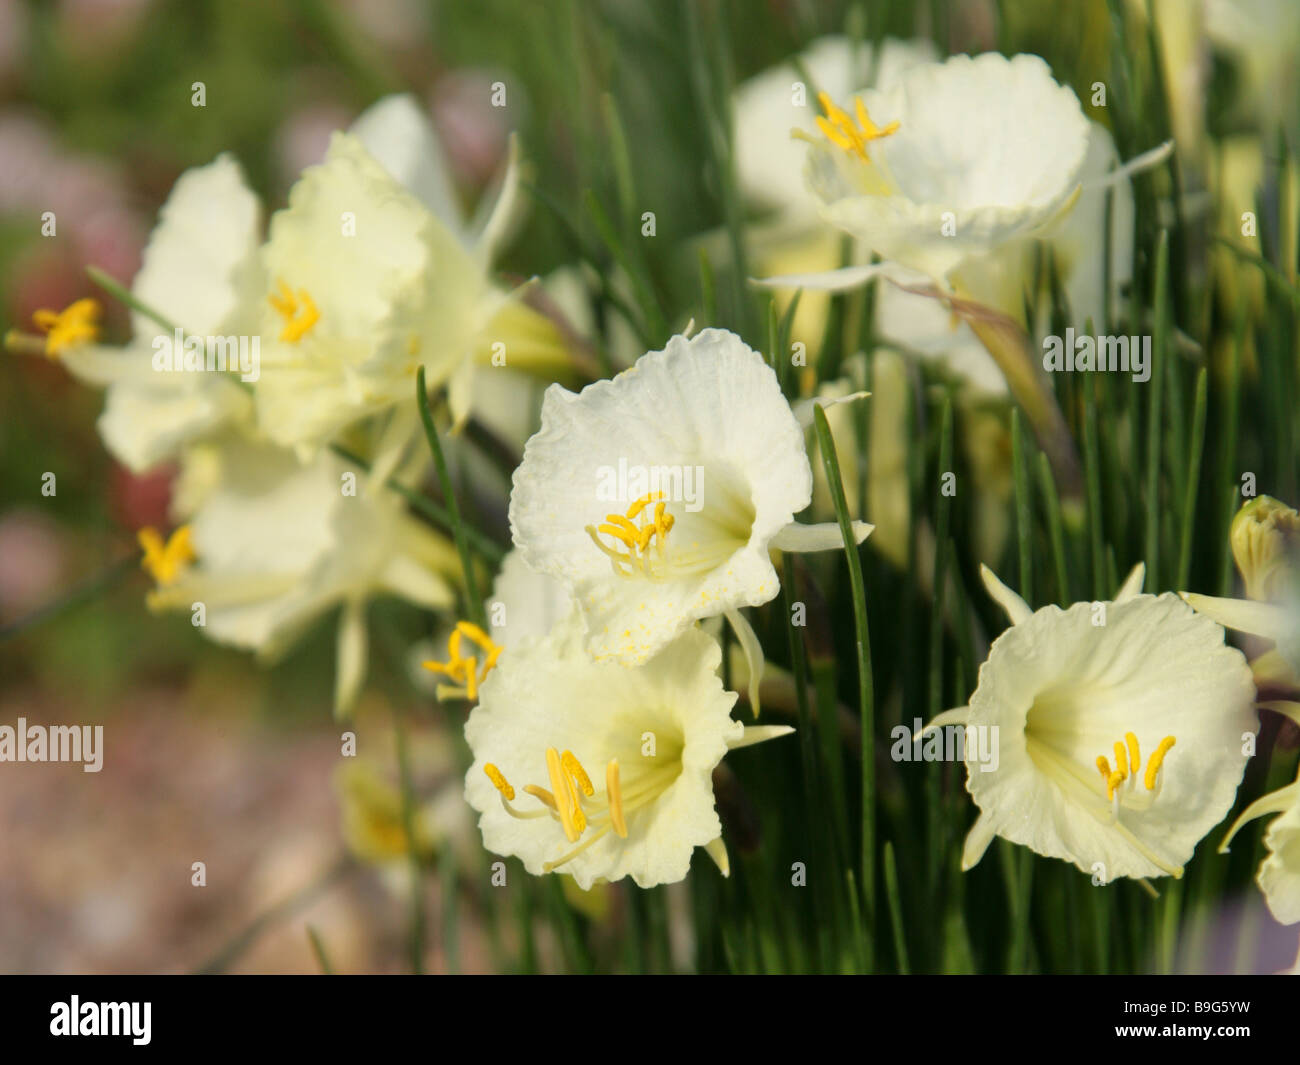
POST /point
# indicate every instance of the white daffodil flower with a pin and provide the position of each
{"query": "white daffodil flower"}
(599, 770)
(200, 274)
(372, 272)
(365, 286)
(969, 154)
(1279, 872)
(276, 543)
(769, 165)
(1121, 732)
(657, 496)
(951, 183)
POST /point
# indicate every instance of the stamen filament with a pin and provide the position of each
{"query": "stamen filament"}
(613, 791)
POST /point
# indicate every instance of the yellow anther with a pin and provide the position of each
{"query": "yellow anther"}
(839, 128)
(870, 130)
(635, 509)
(1156, 761)
(560, 788)
(447, 669)
(476, 634)
(543, 796)
(165, 561)
(574, 768)
(1120, 766)
(629, 538)
(1112, 782)
(615, 795)
(1103, 766)
(1134, 753)
(75, 324)
(298, 311)
(499, 781)
(465, 669)
(837, 138)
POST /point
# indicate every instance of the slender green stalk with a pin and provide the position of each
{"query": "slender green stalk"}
(318, 951)
(1092, 476)
(894, 898)
(1024, 509)
(235, 947)
(1197, 445)
(79, 594)
(1151, 550)
(866, 694)
(652, 313)
(474, 602)
(124, 295)
(1055, 529)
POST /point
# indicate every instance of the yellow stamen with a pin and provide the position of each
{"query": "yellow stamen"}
(471, 677)
(574, 768)
(75, 324)
(635, 538)
(560, 789)
(635, 509)
(1134, 753)
(298, 310)
(542, 795)
(1112, 782)
(1156, 761)
(476, 634)
(1103, 766)
(499, 781)
(465, 668)
(165, 561)
(1120, 766)
(615, 795)
(840, 129)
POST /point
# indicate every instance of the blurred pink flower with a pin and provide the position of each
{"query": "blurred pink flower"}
(304, 136)
(13, 36)
(473, 132)
(32, 561)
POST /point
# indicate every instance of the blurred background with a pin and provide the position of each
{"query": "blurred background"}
(212, 759)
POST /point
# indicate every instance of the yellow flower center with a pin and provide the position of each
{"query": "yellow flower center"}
(840, 129)
(75, 324)
(634, 534)
(165, 561)
(1132, 755)
(573, 802)
(298, 311)
(464, 670)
